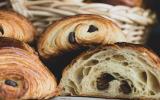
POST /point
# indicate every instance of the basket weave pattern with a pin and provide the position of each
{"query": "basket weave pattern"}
(133, 21)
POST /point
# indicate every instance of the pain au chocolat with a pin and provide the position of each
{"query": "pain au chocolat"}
(81, 30)
(22, 75)
(16, 26)
(122, 70)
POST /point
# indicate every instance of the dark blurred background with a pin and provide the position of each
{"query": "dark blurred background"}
(154, 37)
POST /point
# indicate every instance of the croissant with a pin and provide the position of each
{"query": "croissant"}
(22, 75)
(16, 26)
(122, 70)
(76, 31)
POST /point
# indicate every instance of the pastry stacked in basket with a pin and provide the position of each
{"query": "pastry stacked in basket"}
(91, 50)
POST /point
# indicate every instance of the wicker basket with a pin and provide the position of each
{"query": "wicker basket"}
(135, 22)
(4, 4)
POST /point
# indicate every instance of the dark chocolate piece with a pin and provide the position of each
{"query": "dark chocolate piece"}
(125, 87)
(92, 28)
(71, 37)
(103, 81)
(11, 83)
(1, 30)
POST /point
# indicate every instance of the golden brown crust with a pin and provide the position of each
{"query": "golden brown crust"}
(22, 75)
(10, 42)
(140, 48)
(16, 26)
(137, 47)
(86, 30)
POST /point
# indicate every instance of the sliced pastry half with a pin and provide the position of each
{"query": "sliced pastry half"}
(121, 70)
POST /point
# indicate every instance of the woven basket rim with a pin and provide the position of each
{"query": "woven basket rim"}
(133, 20)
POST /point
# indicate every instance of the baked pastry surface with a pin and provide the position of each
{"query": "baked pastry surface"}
(80, 30)
(16, 26)
(22, 75)
(122, 71)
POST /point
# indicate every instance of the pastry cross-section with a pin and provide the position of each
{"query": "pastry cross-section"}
(121, 70)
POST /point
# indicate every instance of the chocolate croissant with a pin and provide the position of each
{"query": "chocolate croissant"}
(123, 70)
(22, 75)
(80, 30)
(16, 26)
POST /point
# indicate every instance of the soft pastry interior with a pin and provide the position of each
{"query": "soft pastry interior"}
(22, 75)
(16, 26)
(114, 71)
(73, 32)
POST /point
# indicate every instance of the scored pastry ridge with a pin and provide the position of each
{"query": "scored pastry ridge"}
(122, 71)
(81, 30)
(22, 75)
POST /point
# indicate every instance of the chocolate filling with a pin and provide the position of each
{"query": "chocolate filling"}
(92, 28)
(71, 38)
(11, 83)
(103, 81)
(1, 30)
(125, 87)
